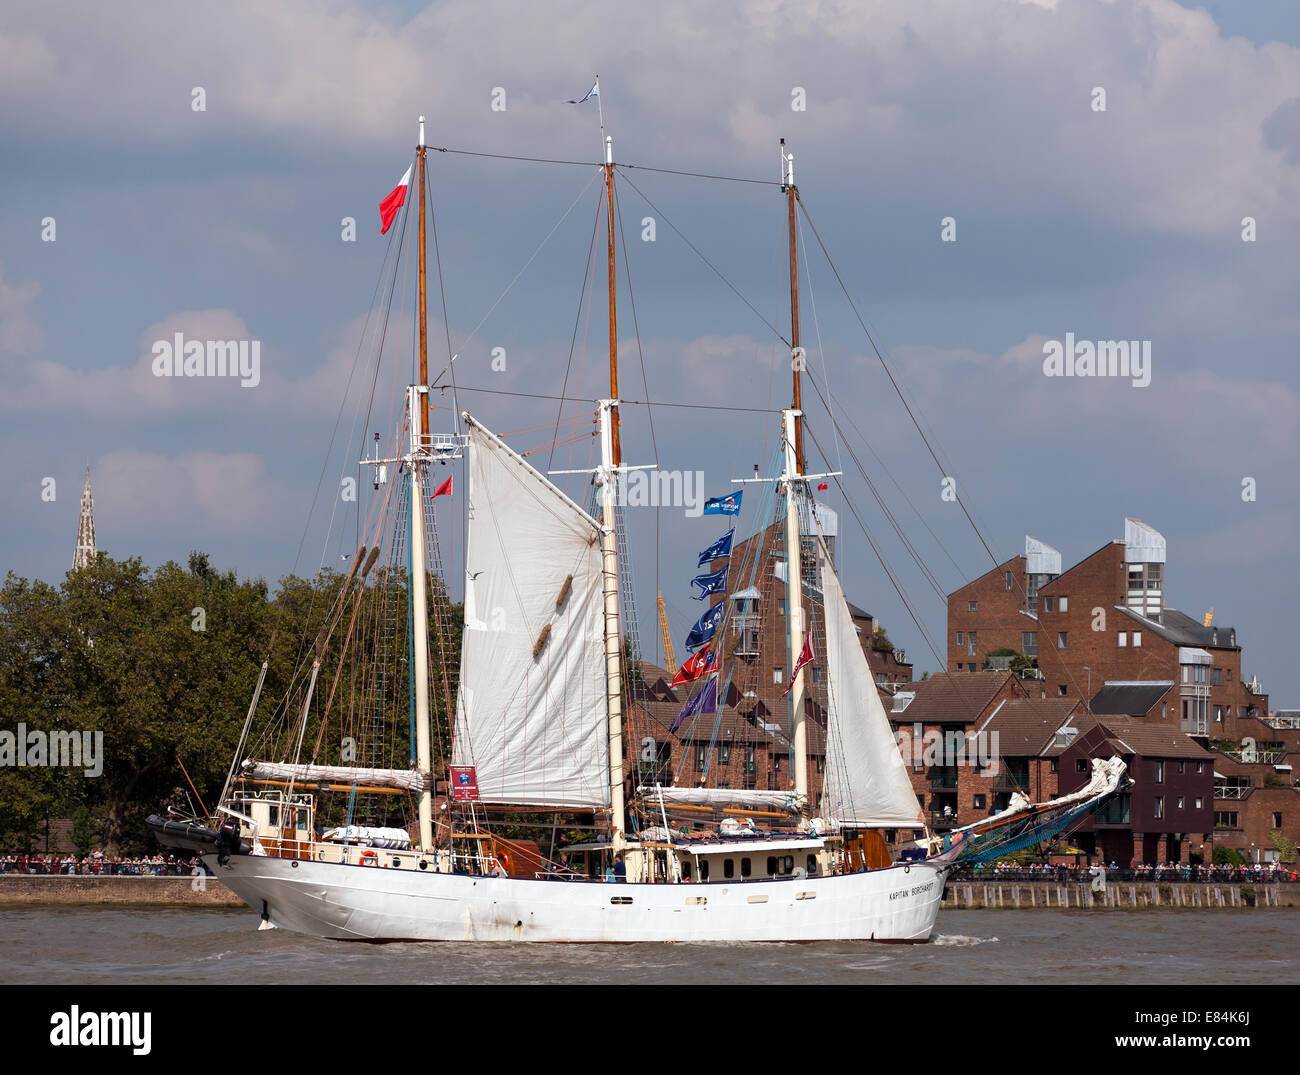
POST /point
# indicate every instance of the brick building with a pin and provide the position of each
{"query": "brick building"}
(1103, 631)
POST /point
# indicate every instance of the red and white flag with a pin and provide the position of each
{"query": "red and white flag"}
(389, 206)
(806, 657)
(444, 489)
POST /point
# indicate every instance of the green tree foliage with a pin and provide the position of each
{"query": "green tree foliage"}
(164, 663)
(1227, 856)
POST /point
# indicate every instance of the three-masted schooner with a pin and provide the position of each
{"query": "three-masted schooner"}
(539, 721)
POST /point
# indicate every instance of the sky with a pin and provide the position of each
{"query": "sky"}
(227, 221)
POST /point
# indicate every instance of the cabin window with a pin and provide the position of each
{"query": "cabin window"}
(704, 870)
(746, 866)
(812, 864)
(686, 871)
(728, 868)
(787, 864)
(771, 865)
(274, 815)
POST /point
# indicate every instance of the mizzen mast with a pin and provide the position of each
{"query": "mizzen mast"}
(792, 479)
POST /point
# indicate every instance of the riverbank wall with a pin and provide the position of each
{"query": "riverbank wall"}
(26, 890)
(1119, 895)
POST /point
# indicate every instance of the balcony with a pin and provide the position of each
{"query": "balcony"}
(1011, 782)
(747, 628)
(1233, 792)
(1256, 757)
(943, 780)
(941, 821)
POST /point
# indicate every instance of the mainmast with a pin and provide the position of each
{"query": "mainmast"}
(611, 458)
(418, 462)
(792, 477)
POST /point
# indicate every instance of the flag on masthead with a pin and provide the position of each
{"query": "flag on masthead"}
(389, 206)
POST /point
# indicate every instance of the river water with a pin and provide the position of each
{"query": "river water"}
(112, 946)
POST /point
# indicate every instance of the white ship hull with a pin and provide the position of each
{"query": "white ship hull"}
(374, 904)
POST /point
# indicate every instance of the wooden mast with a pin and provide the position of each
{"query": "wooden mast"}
(613, 301)
(418, 456)
(793, 478)
(611, 461)
(424, 312)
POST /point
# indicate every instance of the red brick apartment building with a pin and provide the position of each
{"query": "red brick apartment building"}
(1102, 633)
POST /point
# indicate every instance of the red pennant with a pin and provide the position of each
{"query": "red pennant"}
(445, 488)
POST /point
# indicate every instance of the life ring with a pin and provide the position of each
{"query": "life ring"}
(499, 864)
(373, 856)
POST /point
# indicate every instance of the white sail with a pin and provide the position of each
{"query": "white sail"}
(531, 711)
(405, 779)
(866, 781)
(781, 800)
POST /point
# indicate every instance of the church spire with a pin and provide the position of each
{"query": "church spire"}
(85, 528)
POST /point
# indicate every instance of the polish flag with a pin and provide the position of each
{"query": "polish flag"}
(389, 206)
(806, 657)
(444, 489)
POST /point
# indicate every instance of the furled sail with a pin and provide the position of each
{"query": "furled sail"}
(751, 797)
(531, 712)
(405, 779)
(866, 781)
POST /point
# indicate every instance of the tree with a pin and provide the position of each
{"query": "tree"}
(880, 641)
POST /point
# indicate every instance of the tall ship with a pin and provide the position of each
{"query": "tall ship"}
(504, 770)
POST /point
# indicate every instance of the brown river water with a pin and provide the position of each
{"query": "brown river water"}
(116, 946)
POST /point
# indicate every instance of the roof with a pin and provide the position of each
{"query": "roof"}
(1153, 740)
(1129, 699)
(857, 613)
(1180, 629)
(1026, 727)
(952, 697)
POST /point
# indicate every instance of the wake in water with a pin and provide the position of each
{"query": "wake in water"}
(957, 940)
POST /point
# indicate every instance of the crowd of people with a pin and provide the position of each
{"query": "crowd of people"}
(1265, 872)
(97, 864)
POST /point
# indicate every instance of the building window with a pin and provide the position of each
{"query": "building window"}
(1200, 803)
(1218, 714)
(1123, 639)
(778, 675)
(750, 764)
(701, 751)
(971, 606)
(1137, 638)
(724, 754)
(1200, 766)
(1218, 677)
(1229, 675)
(980, 800)
(1158, 807)
(1080, 765)
(1008, 580)
(1062, 639)
(1064, 604)
(1225, 819)
(1029, 643)
(960, 638)
(1277, 820)
(1180, 802)
(1062, 691)
(1052, 766)
(1049, 603)
(970, 644)
(1180, 767)
(1160, 772)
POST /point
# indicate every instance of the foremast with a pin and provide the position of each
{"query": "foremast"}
(611, 461)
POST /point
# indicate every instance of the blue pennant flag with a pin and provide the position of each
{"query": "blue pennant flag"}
(706, 627)
(724, 505)
(720, 548)
(593, 92)
(704, 702)
(715, 583)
